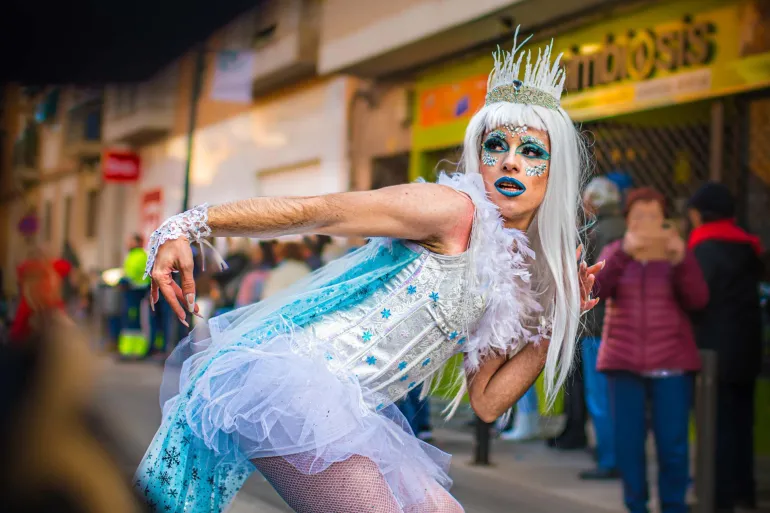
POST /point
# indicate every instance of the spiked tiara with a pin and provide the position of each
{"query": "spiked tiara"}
(541, 84)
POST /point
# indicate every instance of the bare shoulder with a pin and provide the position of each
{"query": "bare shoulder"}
(449, 211)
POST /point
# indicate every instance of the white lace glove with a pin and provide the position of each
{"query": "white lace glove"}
(192, 225)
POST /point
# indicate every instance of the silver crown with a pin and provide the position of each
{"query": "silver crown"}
(542, 83)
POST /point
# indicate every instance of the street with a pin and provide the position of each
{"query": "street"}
(127, 396)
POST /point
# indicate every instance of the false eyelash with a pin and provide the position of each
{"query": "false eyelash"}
(532, 139)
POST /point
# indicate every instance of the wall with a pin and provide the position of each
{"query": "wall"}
(353, 31)
(381, 127)
(294, 129)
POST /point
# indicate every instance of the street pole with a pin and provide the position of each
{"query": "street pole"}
(705, 419)
(197, 85)
(482, 442)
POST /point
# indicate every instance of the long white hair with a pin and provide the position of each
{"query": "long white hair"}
(554, 233)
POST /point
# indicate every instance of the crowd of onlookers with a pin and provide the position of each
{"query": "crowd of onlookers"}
(670, 286)
(664, 297)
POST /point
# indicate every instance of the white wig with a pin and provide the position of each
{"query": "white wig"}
(554, 233)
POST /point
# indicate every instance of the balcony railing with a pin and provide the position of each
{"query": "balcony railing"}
(140, 113)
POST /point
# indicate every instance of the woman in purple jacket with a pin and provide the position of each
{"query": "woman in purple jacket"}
(648, 349)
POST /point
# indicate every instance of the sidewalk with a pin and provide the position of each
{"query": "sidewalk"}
(552, 471)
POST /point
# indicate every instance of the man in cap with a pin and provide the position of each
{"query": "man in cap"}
(731, 325)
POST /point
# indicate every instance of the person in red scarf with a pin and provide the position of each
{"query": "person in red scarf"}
(40, 281)
(731, 325)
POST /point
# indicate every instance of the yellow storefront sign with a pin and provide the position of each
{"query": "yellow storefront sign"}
(661, 55)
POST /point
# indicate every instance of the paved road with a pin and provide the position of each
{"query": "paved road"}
(127, 395)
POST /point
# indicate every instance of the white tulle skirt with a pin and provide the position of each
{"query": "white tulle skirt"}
(252, 404)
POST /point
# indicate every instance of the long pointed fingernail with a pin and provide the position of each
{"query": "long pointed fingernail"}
(190, 302)
(152, 305)
(196, 314)
(604, 262)
(184, 322)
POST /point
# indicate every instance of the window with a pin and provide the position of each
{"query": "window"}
(92, 213)
(67, 218)
(47, 214)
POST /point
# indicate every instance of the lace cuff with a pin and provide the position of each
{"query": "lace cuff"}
(192, 224)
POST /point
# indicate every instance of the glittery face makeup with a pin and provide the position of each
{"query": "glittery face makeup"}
(494, 145)
(514, 164)
(537, 170)
(516, 130)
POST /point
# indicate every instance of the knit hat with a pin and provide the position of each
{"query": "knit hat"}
(715, 199)
(601, 192)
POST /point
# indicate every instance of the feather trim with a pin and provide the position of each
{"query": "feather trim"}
(498, 270)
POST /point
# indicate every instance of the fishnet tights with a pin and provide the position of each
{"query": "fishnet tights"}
(351, 486)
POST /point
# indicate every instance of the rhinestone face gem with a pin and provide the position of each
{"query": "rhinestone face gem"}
(537, 170)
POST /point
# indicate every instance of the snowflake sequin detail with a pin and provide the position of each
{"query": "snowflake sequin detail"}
(434, 296)
(371, 360)
(386, 314)
(411, 289)
(367, 336)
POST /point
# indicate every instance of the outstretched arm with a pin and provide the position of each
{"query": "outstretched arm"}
(421, 212)
(436, 215)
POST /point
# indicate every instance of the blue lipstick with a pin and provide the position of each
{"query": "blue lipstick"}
(512, 187)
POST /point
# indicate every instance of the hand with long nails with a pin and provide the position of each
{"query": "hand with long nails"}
(587, 277)
(174, 255)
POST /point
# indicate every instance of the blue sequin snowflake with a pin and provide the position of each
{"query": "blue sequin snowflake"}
(404, 377)
(367, 336)
(402, 366)
(434, 296)
(426, 362)
(371, 360)
(453, 335)
(461, 341)
(411, 289)
(386, 314)
(412, 384)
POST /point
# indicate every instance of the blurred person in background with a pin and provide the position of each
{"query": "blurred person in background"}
(40, 280)
(416, 409)
(253, 282)
(316, 245)
(526, 418)
(602, 200)
(292, 267)
(731, 325)
(648, 349)
(228, 280)
(133, 342)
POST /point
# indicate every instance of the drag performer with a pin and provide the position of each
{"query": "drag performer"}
(301, 386)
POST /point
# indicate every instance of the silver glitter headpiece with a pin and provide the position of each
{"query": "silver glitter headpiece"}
(542, 83)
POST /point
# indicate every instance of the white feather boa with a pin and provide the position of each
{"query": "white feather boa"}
(498, 270)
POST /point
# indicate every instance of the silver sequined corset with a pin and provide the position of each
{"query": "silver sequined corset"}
(398, 336)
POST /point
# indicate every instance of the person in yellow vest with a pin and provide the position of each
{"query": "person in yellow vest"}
(133, 342)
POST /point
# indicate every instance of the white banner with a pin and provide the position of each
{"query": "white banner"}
(233, 76)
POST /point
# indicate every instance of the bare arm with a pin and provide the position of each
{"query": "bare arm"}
(422, 212)
(501, 382)
(436, 215)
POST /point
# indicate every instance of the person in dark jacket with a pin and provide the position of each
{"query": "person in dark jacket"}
(602, 198)
(731, 325)
(648, 348)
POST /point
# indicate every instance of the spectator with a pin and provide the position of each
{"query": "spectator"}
(602, 199)
(417, 413)
(526, 418)
(228, 280)
(648, 348)
(731, 325)
(292, 267)
(316, 245)
(40, 282)
(253, 282)
(133, 342)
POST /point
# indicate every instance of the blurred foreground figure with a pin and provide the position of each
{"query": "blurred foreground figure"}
(731, 325)
(51, 459)
(301, 386)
